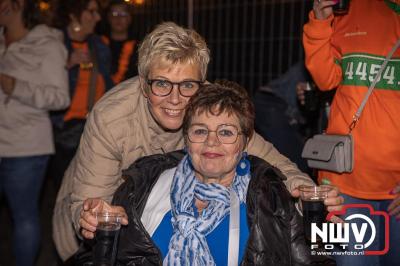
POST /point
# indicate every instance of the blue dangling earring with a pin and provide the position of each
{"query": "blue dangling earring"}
(243, 166)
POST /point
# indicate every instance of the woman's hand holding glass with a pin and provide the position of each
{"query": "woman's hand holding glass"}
(88, 220)
(80, 57)
(334, 202)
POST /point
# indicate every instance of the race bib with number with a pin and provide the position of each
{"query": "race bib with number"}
(361, 69)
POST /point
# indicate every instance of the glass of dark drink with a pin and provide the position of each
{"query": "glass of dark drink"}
(341, 7)
(105, 249)
(311, 100)
(312, 202)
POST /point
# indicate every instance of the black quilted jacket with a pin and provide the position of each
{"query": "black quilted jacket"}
(275, 227)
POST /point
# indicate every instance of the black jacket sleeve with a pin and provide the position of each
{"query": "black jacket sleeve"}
(276, 234)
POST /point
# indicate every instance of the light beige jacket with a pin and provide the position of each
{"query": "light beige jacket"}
(119, 130)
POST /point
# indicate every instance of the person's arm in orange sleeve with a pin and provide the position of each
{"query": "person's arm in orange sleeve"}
(321, 57)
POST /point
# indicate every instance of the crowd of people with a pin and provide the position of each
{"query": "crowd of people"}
(135, 128)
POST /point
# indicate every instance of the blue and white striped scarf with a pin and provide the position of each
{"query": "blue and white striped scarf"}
(188, 244)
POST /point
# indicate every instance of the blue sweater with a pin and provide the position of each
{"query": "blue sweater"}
(217, 240)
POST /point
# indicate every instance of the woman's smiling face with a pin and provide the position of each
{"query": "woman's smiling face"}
(168, 111)
(213, 159)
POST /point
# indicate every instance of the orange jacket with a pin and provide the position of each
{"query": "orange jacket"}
(346, 52)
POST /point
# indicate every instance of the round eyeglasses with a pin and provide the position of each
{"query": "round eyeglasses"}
(119, 14)
(161, 87)
(226, 133)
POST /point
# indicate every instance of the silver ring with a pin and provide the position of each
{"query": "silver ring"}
(319, 1)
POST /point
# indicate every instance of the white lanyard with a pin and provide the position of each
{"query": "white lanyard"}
(234, 230)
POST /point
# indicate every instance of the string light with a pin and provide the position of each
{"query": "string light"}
(44, 6)
(136, 2)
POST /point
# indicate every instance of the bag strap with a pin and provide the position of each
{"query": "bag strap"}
(357, 115)
(93, 79)
(234, 229)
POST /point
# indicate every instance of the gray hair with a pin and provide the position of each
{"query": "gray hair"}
(171, 43)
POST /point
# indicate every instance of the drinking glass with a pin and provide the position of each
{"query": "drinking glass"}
(311, 100)
(86, 66)
(85, 58)
(107, 230)
(312, 201)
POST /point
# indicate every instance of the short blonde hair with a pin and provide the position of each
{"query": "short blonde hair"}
(173, 44)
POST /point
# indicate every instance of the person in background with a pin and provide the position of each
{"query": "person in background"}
(89, 78)
(284, 118)
(316, 106)
(119, 37)
(143, 116)
(346, 51)
(189, 200)
(278, 116)
(103, 4)
(33, 81)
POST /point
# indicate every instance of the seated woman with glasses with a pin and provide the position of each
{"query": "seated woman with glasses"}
(213, 205)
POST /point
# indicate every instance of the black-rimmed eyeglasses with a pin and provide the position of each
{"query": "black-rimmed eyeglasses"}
(226, 133)
(162, 87)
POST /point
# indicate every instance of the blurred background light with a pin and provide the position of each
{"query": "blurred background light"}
(44, 6)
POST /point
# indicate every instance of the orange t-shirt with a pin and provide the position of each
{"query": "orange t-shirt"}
(347, 54)
(79, 103)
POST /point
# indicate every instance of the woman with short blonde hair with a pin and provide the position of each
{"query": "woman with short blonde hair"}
(162, 47)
